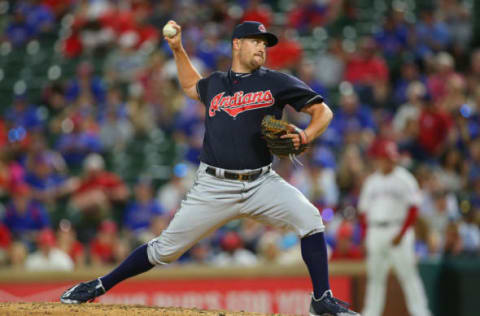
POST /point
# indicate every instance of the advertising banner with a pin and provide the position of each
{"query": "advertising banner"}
(286, 295)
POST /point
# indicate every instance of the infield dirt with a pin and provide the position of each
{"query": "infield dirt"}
(57, 309)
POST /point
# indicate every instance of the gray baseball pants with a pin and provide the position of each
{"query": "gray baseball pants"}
(213, 201)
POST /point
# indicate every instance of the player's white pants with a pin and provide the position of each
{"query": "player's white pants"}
(381, 256)
(212, 202)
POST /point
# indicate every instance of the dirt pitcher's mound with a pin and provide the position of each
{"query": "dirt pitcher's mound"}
(54, 309)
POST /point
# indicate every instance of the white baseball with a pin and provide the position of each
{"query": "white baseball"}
(169, 30)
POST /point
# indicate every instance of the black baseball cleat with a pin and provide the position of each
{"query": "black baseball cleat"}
(83, 292)
(328, 305)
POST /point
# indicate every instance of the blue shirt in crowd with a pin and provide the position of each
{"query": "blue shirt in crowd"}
(138, 216)
(35, 218)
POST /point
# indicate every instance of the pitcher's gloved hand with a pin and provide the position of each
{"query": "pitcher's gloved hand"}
(283, 139)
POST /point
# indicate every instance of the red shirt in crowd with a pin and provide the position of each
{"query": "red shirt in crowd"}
(103, 251)
(103, 180)
(119, 21)
(366, 71)
(72, 46)
(3, 133)
(257, 14)
(284, 55)
(433, 129)
(76, 250)
(5, 238)
(437, 84)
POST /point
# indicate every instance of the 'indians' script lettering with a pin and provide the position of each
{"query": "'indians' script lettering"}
(240, 102)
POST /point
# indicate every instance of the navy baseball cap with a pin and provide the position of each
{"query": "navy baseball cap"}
(252, 29)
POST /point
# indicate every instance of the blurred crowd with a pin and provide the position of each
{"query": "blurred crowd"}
(65, 203)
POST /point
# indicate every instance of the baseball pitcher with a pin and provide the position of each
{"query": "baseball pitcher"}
(243, 108)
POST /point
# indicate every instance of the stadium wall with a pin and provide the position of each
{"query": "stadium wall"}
(450, 286)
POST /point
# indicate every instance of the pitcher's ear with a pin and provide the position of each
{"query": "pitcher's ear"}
(236, 43)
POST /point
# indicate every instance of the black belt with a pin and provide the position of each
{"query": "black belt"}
(251, 176)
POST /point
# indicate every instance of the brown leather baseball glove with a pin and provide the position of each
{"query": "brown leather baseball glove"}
(273, 129)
